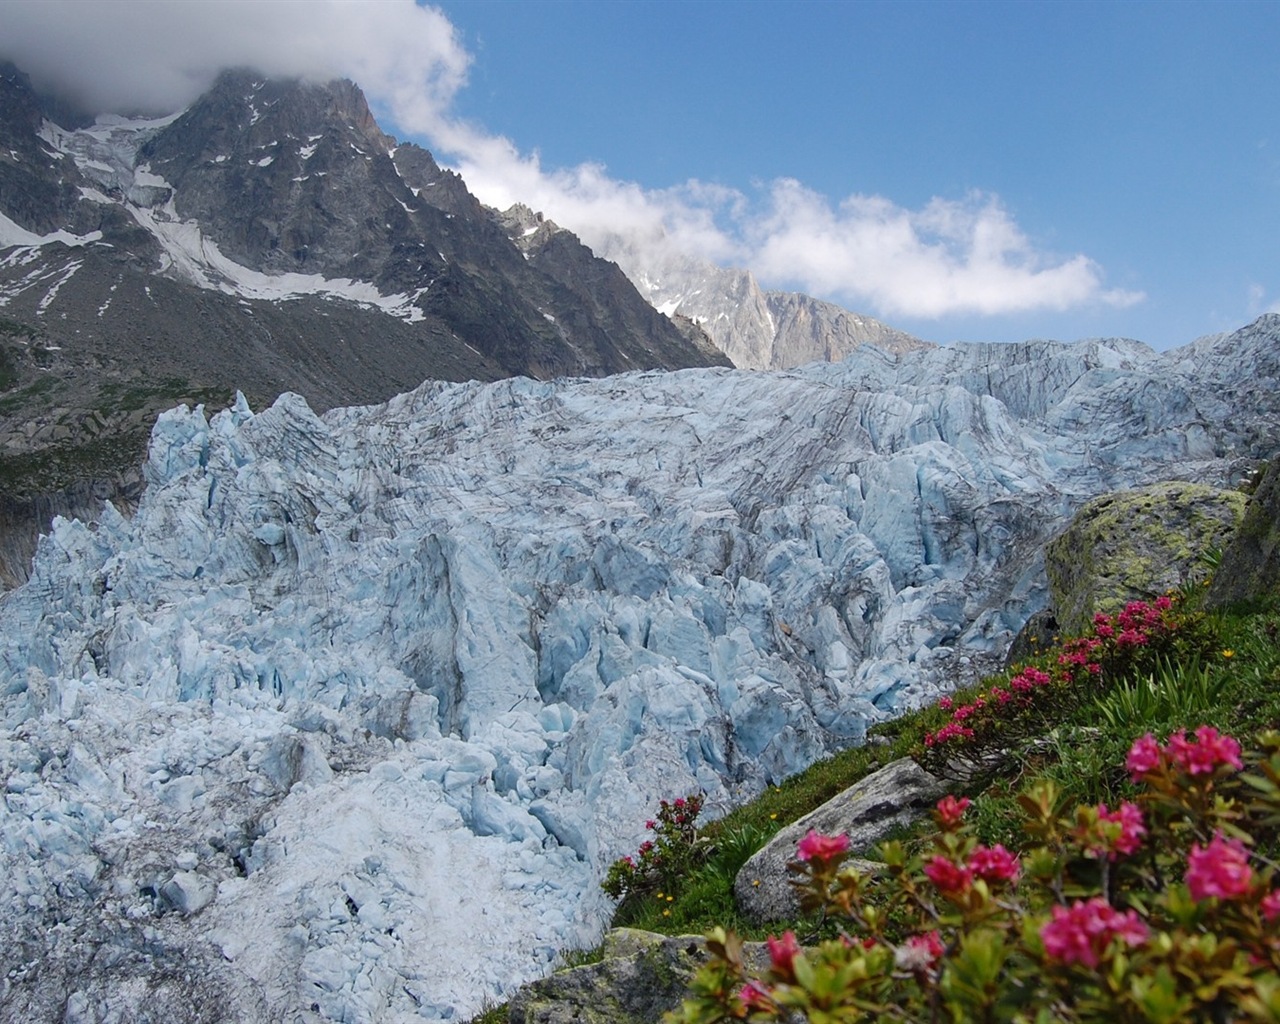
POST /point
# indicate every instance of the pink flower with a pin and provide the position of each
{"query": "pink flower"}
(1271, 905)
(1206, 752)
(948, 876)
(651, 824)
(815, 846)
(1118, 832)
(1144, 757)
(1164, 602)
(919, 952)
(756, 998)
(1131, 638)
(946, 703)
(1029, 678)
(1220, 869)
(995, 864)
(951, 810)
(783, 953)
(1080, 934)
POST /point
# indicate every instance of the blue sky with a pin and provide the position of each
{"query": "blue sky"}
(965, 171)
(1144, 136)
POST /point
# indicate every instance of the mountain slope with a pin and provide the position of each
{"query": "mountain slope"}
(346, 723)
(757, 329)
(270, 238)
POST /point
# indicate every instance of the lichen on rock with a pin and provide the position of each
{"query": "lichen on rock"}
(1135, 545)
(1250, 566)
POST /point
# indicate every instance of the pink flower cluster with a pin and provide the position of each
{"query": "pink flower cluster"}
(1081, 933)
(1020, 687)
(919, 952)
(1134, 627)
(815, 846)
(782, 954)
(1114, 833)
(991, 864)
(951, 811)
(756, 998)
(1082, 652)
(681, 812)
(1220, 869)
(1271, 905)
(956, 727)
(1029, 679)
(1202, 755)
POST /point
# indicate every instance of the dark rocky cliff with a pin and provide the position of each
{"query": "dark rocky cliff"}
(256, 242)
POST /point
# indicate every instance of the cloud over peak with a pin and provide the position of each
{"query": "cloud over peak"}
(953, 256)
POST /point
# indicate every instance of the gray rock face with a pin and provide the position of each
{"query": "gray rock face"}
(1250, 566)
(1135, 545)
(895, 796)
(757, 329)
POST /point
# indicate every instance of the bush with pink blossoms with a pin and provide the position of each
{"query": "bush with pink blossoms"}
(1163, 908)
(664, 861)
(979, 727)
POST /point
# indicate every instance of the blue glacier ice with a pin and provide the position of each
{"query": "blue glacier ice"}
(345, 723)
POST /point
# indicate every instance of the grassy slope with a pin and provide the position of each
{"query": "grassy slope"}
(1236, 688)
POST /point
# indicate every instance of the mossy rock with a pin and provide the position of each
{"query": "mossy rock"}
(640, 976)
(1135, 545)
(1250, 567)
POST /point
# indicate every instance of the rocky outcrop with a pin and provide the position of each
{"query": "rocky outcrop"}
(639, 977)
(1136, 545)
(886, 800)
(1250, 566)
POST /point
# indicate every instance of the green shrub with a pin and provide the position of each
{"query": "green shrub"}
(1163, 909)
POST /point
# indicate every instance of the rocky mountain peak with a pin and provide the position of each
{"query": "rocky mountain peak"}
(269, 238)
(528, 230)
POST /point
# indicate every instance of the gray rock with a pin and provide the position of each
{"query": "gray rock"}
(189, 892)
(642, 976)
(1135, 545)
(896, 795)
(1250, 566)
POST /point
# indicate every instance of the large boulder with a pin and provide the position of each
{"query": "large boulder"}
(1250, 566)
(1135, 545)
(640, 976)
(893, 797)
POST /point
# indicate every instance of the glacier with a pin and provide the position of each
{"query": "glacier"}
(346, 722)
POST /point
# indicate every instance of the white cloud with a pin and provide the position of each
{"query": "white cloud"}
(1257, 301)
(965, 256)
(158, 55)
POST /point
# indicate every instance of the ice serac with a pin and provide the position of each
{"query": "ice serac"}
(347, 720)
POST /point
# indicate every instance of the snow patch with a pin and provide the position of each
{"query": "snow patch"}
(14, 234)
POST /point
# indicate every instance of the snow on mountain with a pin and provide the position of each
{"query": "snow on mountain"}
(348, 720)
(106, 153)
